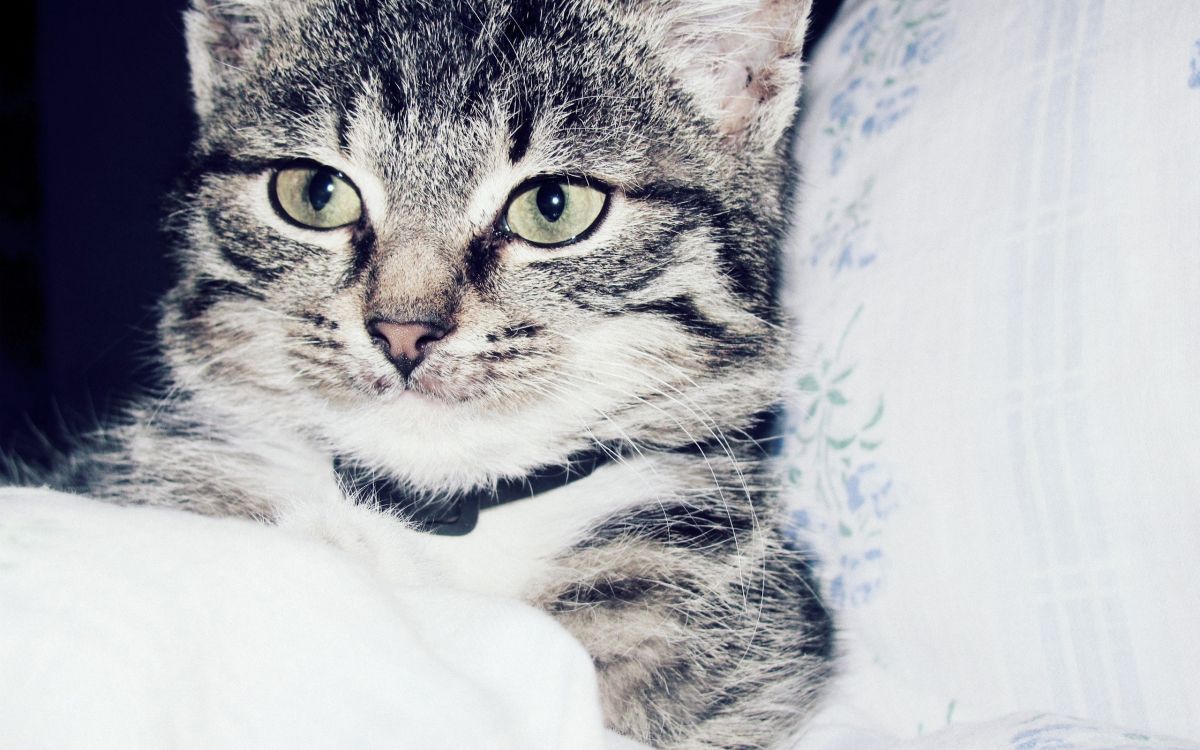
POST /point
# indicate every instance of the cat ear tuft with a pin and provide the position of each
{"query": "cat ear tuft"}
(740, 61)
(222, 35)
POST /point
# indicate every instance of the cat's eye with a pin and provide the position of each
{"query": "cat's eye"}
(316, 196)
(554, 211)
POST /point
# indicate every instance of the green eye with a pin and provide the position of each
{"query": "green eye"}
(316, 197)
(554, 211)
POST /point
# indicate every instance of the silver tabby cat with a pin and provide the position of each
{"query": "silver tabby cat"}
(457, 241)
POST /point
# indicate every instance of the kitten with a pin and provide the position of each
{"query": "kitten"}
(434, 248)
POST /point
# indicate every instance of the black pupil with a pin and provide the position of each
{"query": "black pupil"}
(551, 200)
(320, 189)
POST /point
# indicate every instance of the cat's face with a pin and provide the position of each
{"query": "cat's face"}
(458, 222)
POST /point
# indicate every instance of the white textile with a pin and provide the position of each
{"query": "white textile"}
(996, 272)
(145, 628)
(1015, 732)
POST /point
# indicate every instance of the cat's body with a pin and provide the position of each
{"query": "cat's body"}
(650, 330)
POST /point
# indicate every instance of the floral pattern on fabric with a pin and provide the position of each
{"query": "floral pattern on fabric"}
(1059, 733)
(888, 44)
(1194, 78)
(842, 243)
(831, 459)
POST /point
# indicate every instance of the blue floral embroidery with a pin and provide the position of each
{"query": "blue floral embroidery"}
(842, 243)
(888, 45)
(1054, 733)
(869, 485)
(1043, 738)
(1194, 78)
(831, 450)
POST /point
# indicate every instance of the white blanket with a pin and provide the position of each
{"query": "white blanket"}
(1029, 731)
(145, 628)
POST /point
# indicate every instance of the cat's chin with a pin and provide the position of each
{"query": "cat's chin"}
(425, 384)
(422, 385)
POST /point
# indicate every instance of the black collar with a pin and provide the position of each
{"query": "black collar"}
(456, 515)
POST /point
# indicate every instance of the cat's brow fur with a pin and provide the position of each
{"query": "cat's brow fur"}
(659, 330)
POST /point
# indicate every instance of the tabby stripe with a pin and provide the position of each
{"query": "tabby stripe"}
(221, 163)
(520, 127)
(311, 358)
(502, 355)
(482, 260)
(796, 574)
(682, 309)
(524, 330)
(611, 591)
(696, 199)
(322, 342)
(207, 292)
(246, 264)
(343, 130)
(524, 20)
(703, 528)
(364, 243)
(320, 320)
(754, 284)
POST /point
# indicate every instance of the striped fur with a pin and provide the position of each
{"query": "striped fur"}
(658, 330)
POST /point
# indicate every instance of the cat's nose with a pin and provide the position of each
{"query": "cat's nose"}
(405, 343)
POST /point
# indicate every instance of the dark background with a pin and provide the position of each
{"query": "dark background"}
(95, 121)
(94, 124)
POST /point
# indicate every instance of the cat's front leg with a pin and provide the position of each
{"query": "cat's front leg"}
(704, 635)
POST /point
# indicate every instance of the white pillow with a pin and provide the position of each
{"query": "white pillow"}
(996, 274)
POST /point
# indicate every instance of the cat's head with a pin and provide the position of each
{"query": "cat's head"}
(448, 233)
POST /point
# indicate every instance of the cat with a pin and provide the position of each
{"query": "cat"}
(434, 248)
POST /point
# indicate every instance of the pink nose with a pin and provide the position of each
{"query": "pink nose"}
(405, 343)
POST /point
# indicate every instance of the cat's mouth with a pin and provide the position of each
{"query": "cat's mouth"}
(423, 381)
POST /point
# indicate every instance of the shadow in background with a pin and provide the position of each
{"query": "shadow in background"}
(94, 120)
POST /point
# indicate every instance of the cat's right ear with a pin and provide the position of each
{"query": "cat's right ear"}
(739, 60)
(222, 36)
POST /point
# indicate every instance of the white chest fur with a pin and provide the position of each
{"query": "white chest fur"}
(511, 546)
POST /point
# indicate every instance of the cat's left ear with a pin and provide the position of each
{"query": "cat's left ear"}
(222, 37)
(739, 60)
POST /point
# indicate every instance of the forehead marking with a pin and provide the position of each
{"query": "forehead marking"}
(520, 127)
